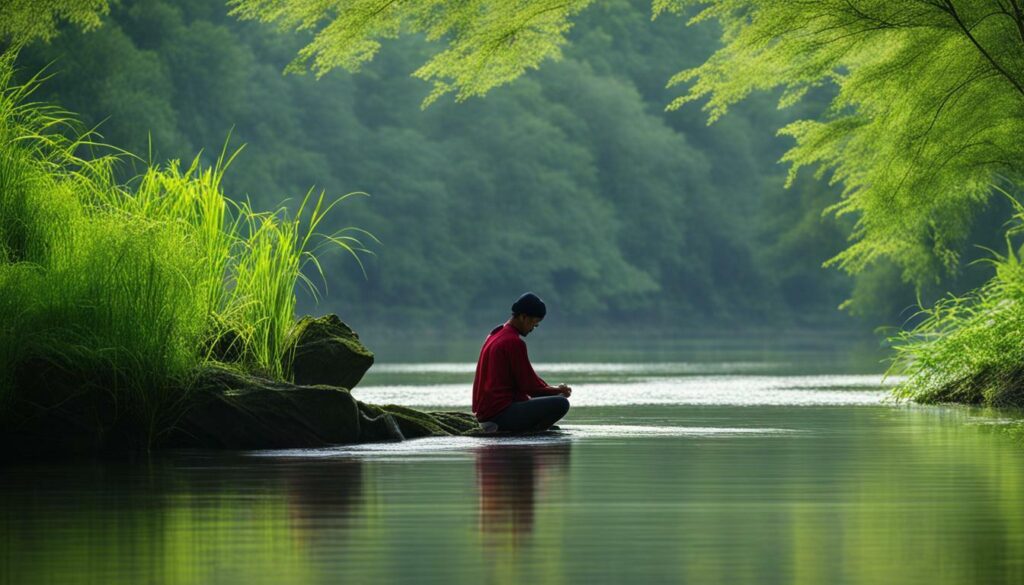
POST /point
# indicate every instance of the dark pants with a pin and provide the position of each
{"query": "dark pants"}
(535, 414)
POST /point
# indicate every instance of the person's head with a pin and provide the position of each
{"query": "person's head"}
(527, 313)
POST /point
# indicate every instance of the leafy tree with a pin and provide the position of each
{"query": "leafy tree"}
(490, 42)
(927, 115)
(23, 21)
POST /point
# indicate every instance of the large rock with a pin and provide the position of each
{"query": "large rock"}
(230, 410)
(234, 411)
(327, 351)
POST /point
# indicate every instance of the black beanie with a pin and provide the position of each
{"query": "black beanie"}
(531, 305)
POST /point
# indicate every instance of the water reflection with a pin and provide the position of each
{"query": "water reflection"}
(511, 480)
(194, 518)
(329, 491)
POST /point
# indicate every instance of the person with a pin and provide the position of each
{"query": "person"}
(507, 394)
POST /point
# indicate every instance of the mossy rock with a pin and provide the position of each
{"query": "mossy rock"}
(230, 410)
(415, 423)
(377, 425)
(327, 351)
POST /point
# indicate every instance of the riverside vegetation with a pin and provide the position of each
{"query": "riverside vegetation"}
(134, 312)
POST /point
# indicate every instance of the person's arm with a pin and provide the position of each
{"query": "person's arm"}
(527, 379)
(548, 390)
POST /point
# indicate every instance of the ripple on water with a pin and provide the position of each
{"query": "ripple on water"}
(848, 390)
(446, 446)
(625, 368)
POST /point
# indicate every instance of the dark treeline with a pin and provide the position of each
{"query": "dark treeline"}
(572, 182)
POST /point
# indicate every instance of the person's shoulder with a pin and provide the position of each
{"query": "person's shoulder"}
(507, 336)
(512, 340)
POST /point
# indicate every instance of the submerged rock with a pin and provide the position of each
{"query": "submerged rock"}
(327, 351)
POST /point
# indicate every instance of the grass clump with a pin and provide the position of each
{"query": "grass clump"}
(970, 349)
(125, 291)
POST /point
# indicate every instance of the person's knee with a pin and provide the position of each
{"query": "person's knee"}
(561, 405)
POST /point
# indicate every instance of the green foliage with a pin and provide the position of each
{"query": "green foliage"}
(967, 348)
(490, 42)
(927, 115)
(23, 21)
(127, 291)
(274, 252)
(104, 300)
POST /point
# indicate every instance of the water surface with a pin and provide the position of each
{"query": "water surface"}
(673, 471)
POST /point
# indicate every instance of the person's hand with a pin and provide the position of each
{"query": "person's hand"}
(564, 390)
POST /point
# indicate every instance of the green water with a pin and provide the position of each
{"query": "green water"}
(694, 472)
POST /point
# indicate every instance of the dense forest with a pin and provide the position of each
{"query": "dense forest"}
(573, 182)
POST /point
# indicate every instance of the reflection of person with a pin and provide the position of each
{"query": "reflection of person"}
(509, 478)
(506, 390)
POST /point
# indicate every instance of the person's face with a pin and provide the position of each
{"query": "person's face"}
(525, 324)
(532, 323)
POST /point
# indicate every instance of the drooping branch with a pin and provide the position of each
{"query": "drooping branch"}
(950, 9)
(1018, 17)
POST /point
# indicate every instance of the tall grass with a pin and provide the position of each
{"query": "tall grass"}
(127, 290)
(970, 349)
(261, 307)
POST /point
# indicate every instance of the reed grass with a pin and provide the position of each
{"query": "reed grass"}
(970, 349)
(129, 289)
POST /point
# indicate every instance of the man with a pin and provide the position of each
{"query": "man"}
(507, 394)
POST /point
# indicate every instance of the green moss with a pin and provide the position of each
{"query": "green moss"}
(328, 327)
(462, 422)
(415, 423)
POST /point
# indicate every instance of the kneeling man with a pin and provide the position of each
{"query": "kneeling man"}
(506, 390)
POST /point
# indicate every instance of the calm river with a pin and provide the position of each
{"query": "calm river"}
(728, 467)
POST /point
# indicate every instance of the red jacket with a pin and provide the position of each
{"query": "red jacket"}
(504, 374)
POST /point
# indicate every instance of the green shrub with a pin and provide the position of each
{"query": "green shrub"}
(970, 349)
(127, 291)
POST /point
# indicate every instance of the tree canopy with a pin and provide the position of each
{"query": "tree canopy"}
(904, 135)
(23, 21)
(927, 117)
(489, 42)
